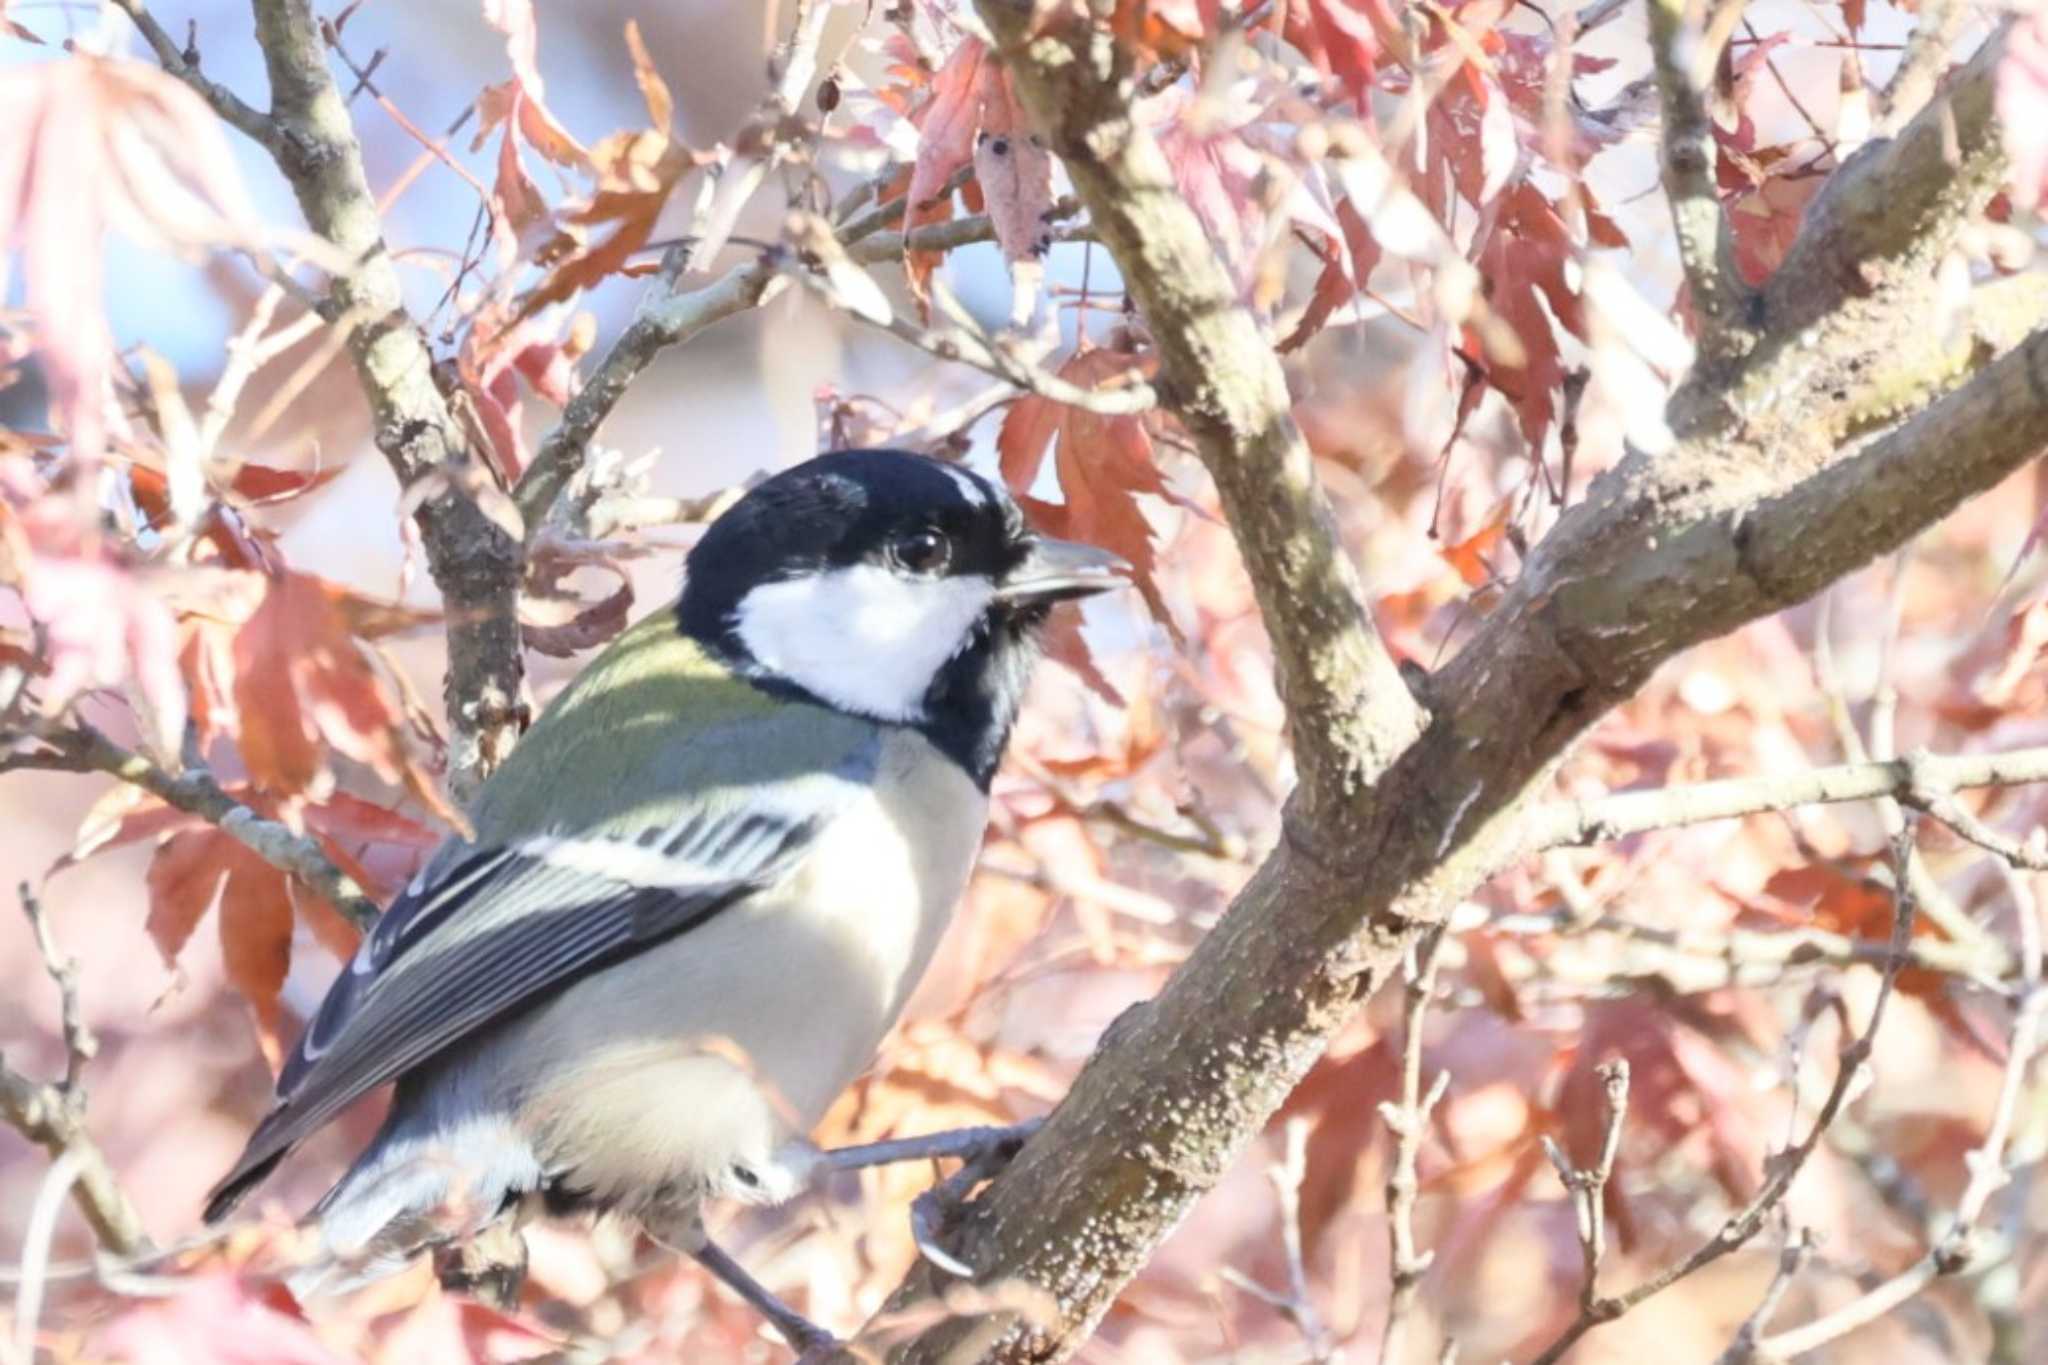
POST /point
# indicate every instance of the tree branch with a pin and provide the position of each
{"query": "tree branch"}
(1587, 1185)
(1220, 377)
(475, 562)
(1685, 61)
(1955, 1250)
(1753, 509)
(669, 316)
(1922, 780)
(1920, 69)
(52, 1114)
(183, 63)
(196, 791)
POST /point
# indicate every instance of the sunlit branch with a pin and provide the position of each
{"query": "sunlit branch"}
(80, 748)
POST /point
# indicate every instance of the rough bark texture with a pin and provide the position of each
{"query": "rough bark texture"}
(475, 562)
(1773, 490)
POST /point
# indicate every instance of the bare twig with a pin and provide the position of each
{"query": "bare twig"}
(1783, 1167)
(1409, 1122)
(1587, 1185)
(1295, 1304)
(1751, 957)
(52, 1115)
(665, 318)
(184, 64)
(80, 1046)
(1928, 893)
(81, 748)
(1791, 1260)
(1685, 59)
(792, 68)
(1921, 776)
(670, 317)
(1957, 1249)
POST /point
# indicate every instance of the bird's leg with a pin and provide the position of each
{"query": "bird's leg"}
(799, 1331)
(973, 1145)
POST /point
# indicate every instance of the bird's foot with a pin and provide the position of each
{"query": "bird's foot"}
(985, 1152)
(811, 1342)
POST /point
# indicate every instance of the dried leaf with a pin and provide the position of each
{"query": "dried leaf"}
(636, 173)
(1015, 174)
(661, 106)
(1104, 464)
(183, 879)
(301, 679)
(524, 97)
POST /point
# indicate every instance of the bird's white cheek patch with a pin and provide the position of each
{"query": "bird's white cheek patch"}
(863, 638)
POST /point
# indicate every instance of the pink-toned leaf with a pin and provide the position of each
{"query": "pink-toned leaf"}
(94, 144)
(104, 628)
(255, 927)
(1015, 174)
(220, 1319)
(949, 119)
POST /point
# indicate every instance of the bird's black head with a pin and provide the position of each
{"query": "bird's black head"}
(891, 585)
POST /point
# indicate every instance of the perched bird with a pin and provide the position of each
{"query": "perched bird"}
(701, 888)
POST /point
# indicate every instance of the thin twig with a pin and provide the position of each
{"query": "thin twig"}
(1749, 957)
(966, 343)
(1957, 1249)
(1919, 775)
(80, 1045)
(1791, 1260)
(1587, 1185)
(52, 1115)
(183, 63)
(1928, 893)
(1409, 1122)
(1295, 1304)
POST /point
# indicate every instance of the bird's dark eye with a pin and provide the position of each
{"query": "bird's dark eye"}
(922, 552)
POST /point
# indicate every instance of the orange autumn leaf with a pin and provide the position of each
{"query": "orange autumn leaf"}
(1468, 556)
(301, 683)
(1103, 463)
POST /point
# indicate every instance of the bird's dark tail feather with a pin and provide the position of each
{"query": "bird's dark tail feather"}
(222, 1198)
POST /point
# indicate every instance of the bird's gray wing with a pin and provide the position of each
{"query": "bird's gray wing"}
(494, 926)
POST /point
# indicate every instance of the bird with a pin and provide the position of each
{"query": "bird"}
(700, 889)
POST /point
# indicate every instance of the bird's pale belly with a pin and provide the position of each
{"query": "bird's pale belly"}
(684, 1069)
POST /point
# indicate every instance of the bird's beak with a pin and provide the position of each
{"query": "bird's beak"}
(1056, 570)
